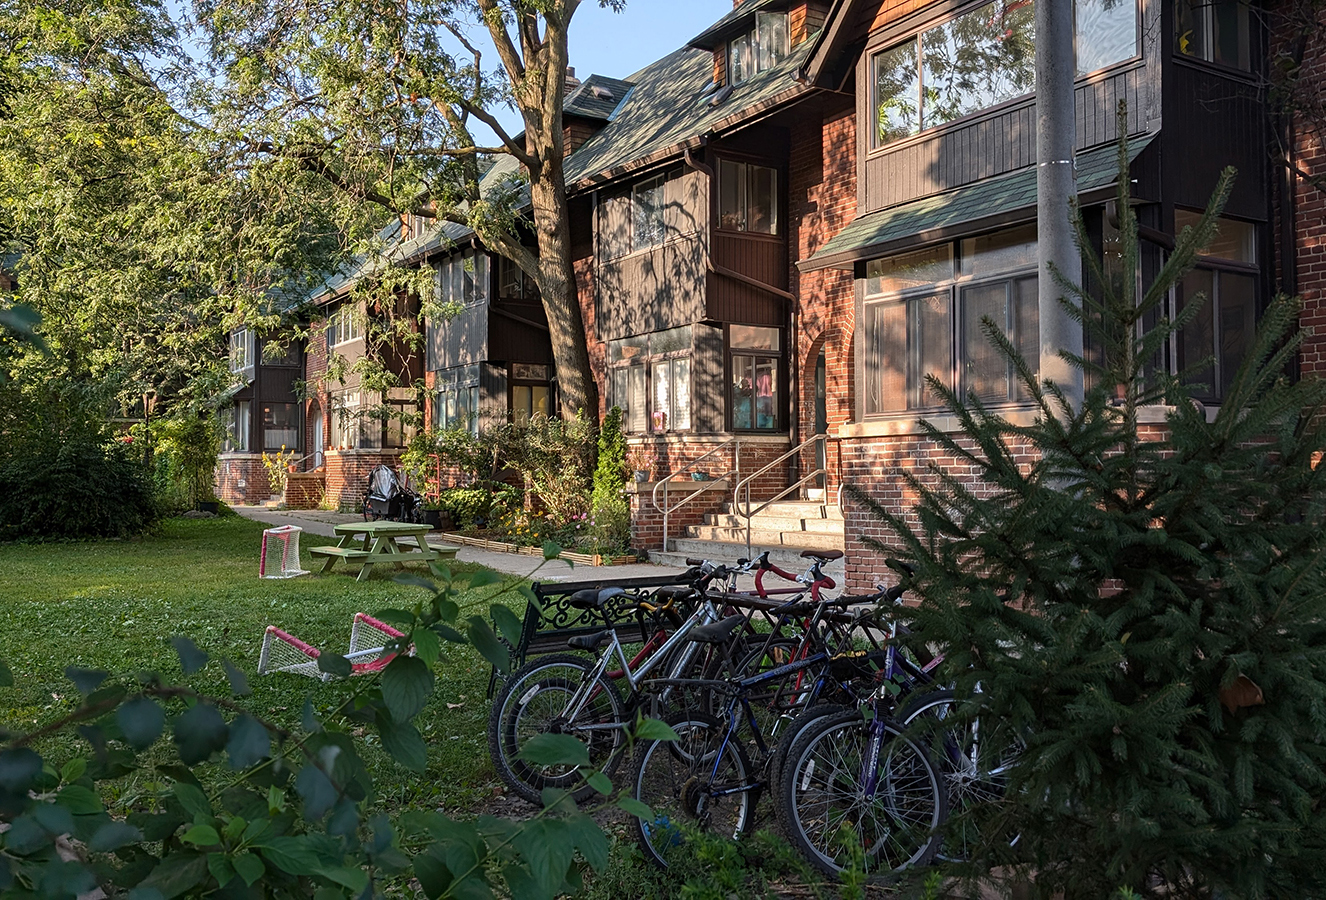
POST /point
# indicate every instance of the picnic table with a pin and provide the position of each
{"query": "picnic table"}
(381, 543)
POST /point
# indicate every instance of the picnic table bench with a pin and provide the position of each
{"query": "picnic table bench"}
(547, 631)
(381, 543)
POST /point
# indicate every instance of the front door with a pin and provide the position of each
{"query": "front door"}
(315, 413)
(821, 412)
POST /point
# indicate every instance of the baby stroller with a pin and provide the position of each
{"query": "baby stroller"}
(387, 498)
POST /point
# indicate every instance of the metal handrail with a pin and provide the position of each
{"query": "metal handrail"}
(666, 509)
(748, 513)
(299, 463)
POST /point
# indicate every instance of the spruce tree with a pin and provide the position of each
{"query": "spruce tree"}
(1144, 606)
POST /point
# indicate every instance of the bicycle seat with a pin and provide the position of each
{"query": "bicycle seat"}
(826, 555)
(588, 641)
(593, 598)
(717, 632)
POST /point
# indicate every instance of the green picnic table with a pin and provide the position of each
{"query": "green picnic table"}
(381, 543)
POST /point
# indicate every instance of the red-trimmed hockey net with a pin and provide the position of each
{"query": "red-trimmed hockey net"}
(369, 643)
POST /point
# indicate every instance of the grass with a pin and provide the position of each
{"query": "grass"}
(115, 605)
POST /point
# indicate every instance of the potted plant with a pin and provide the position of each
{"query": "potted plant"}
(641, 460)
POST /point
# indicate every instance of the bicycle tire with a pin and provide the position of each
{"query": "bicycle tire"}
(974, 779)
(532, 702)
(823, 806)
(685, 783)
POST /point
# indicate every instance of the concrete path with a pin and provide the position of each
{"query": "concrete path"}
(321, 522)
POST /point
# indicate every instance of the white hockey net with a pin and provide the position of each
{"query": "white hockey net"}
(280, 553)
(283, 652)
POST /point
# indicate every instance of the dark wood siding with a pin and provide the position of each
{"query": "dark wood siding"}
(511, 340)
(708, 386)
(1214, 120)
(662, 286)
(461, 340)
(995, 143)
(731, 300)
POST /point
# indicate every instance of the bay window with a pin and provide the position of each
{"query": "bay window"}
(754, 361)
(924, 314)
(280, 426)
(650, 379)
(237, 428)
(1213, 31)
(457, 404)
(1211, 347)
(984, 57)
(747, 197)
(242, 356)
(344, 325)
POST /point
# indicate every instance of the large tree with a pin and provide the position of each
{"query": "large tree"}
(389, 103)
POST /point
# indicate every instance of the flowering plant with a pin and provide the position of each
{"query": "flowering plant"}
(641, 459)
(278, 465)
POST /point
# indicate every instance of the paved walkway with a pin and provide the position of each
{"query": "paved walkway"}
(322, 522)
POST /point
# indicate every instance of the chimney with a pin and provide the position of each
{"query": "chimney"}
(572, 82)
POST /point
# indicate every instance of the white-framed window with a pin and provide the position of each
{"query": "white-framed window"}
(347, 422)
(457, 403)
(237, 428)
(242, 355)
(761, 48)
(1215, 31)
(923, 314)
(513, 283)
(983, 57)
(344, 325)
(648, 228)
(280, 426)
(754, 366)
(651, 380)
(1225, 281)
(747, 197)
(462, 279)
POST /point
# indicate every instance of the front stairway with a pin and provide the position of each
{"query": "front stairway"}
(784, 528)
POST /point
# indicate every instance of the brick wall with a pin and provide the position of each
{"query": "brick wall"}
(304, 490)
(241, 478)
(647, 520)
(1310, 203)
(347, 473)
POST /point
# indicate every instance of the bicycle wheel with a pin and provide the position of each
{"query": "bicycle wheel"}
(539, 699)
(697, 782)
(975, 770)
(832, 816)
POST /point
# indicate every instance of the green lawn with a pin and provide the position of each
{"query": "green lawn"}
(114, 606)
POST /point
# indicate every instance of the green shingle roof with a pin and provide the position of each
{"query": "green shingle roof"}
(596, 98)
(708, 38)
(920, 221)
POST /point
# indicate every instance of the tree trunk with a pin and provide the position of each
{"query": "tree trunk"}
(576, 389)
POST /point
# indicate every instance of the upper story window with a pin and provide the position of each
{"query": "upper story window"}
(463, 279)
(923, 314)
(759, 49)
(647, 226)
(275, 353)
(1213, 30)
(242, 352)
(747, 197)
(1211, 347)
(513, 283)
(982, 58)
(650, 376)
(344, 325)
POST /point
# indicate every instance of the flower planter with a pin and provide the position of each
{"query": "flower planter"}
(587, 559)
(641, 476)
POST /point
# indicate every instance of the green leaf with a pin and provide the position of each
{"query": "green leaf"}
(221, 868)
(6, 676)
(347, 876)
(202, 835)
(113, 836)
(551, 549)
(402, 742)
(449, 634)
(249, 742)
(396, 617)
(432, 872)
(427, 646)
(177, 873)
(79, 800)
(292, 855)
(418, 581)
(199, 733)
(19, 769)
(507, 622)
(547, 848)
(655, 730)
(406, 683)
(249, 867)
(600, 782)
(86, 680)
(141, 721)
(635, 808)
(589, 840)
(483, 639)
(555, 750)
(531, 598)
(191, 658)
(239, 682)
(74, 769)
(447, 610)
(483, 578)
(193, 800)
(334, 664)
(314, 787)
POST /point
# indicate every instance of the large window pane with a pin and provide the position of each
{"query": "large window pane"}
(739, 65)
(637, 402)
(887, 358)
(732, 195)
(765, 388)
(897, 94)
(1238, 320)
(932, 353)
(662, 419)
(1027, 328)
(681, 394)
(751, 337)
(977, 60)
(743, 393)
(762, 201)
(1197, 339)
(985, 369)
(280, 426)
(670, 341)
(771, 34)
(909, 270)
(1235, 240)
(1106, 33)
(1003, 251)
(1213, 30)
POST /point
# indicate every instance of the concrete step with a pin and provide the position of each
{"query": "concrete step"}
(806, 540)
(775, 523)
(793, 509)
(789, 557)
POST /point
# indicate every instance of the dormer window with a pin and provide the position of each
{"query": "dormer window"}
(762, 48)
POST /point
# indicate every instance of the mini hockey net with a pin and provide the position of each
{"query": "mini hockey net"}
(369, 640)
(280, 553)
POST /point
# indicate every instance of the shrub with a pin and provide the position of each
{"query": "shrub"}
(609, 511)
(184, 450)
